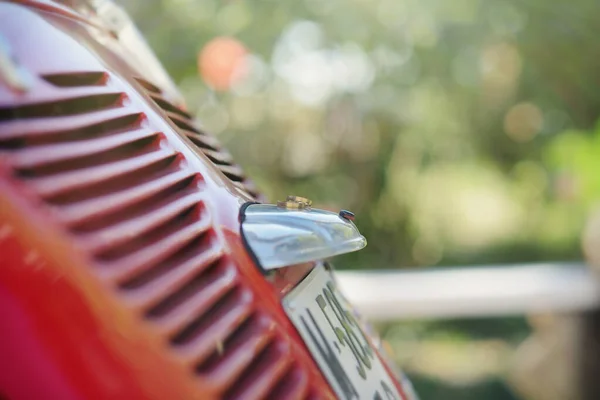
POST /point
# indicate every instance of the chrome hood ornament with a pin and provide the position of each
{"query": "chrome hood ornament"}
(292, 232)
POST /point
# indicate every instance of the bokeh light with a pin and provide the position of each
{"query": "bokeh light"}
(222, 62)
(523, 121)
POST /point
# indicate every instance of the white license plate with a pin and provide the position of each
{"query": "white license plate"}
(337, 343)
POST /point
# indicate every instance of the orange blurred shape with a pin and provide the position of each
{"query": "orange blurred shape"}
(222, 62)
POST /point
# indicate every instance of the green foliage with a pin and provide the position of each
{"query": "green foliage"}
(573, 155)
(436, 122)
(459, 132)
(432, 389)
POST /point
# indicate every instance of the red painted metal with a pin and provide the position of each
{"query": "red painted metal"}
(122, 272)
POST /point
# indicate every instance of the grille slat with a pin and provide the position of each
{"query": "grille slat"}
(246, 185)
(184, 123)
(198, 339)
(77, 180)
(264, 373)
(166, 105)
(172, 111)
(65, 106)
(124, 264)
(177, 311)
(61, 94)
(208, 287)
(203, 141)
(37, 157)
(219, 157)
(208, 145)
(294, 385)
(233, 172)
(39, 169)
(143, 224)
(166, 283)
(148, 86)
(31, 132)
(213, 333)
(224, 368)
(77, 79)
(102, 205)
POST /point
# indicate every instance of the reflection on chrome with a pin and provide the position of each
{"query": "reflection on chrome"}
(280, 236)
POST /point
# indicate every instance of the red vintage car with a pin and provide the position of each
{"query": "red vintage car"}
(137, 260)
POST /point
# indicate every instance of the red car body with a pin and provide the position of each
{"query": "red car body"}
(122, 270)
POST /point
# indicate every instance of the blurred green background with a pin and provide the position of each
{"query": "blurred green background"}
(459, 132)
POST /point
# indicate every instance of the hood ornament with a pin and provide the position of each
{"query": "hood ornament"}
(292, 232)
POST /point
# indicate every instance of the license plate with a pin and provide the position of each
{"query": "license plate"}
(337, 343)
